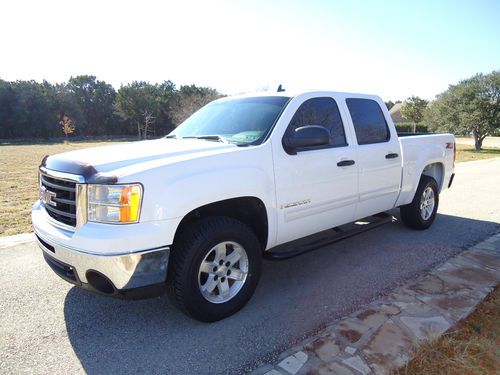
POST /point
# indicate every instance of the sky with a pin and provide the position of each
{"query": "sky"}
(390, 48)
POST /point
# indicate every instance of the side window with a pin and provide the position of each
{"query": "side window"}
(369, 122)
(323, 112)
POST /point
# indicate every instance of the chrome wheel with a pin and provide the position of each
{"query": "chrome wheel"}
(223, 272)
(427, 203)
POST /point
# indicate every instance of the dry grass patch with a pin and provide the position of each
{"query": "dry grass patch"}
(472, 347)
(19, 181)
(468, 153)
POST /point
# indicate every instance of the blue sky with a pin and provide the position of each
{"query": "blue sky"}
(391, 48)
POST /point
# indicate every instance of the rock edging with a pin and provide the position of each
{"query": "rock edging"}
(382, 336)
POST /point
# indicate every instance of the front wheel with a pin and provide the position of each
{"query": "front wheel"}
(215, 266)
(421, 212)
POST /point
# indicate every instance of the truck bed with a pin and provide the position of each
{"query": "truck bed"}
(405, 134)
(431, 153)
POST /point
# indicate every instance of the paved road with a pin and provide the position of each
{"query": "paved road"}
(47, 326)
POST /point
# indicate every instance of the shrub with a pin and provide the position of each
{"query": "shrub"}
(407, 127)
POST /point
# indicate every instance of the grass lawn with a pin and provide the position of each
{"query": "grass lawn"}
(472, 347)
(468, 153)
(19, 181)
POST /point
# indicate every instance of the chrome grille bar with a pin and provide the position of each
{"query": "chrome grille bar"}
(65, 187)
(59, 193)
(59, 212)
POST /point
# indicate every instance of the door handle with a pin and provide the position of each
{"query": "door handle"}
(345, 163)
(391, 156)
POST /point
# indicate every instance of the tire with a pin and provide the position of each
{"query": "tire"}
(415, 216)
(217, 289)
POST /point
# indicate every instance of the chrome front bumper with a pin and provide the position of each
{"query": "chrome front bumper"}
(110, 259)
(124, 272)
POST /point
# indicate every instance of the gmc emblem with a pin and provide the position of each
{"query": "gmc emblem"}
(46, 196)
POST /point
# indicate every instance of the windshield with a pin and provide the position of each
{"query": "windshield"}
(241, 121)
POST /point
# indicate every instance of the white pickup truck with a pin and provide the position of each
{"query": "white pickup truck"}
(195, 212)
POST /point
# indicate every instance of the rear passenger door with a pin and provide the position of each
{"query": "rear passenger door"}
(316, 188)
(378, 157)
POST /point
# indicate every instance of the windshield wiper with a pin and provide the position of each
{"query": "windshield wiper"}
(214, 137)
(171, 136)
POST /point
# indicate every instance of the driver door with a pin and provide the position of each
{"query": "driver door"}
(316, 188)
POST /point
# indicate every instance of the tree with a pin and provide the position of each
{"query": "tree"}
(143, 105)
(189, 99)
(89, 107)
(32, 110)
(7, 112)
(96, 102)
(144, 128)
(470, 107)
(413, 109)
(66, 125)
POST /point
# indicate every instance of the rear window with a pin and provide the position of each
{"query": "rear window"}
(368, 120)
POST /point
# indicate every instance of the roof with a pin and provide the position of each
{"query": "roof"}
(295, 93)
(395, 113)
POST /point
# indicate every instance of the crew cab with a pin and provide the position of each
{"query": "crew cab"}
(195, 212)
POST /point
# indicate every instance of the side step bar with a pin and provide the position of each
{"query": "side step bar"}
(298, 247)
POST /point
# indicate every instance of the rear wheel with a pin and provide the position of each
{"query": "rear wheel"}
(215, 266)
(421, 212)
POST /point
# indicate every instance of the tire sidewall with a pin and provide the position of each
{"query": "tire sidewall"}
(430, 182)
(200, 307)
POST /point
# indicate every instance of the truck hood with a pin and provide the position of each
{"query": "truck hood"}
(97, 164)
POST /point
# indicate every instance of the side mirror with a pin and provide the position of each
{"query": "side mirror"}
(306, 136)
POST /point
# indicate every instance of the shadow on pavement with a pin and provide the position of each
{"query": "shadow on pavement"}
(295, 298)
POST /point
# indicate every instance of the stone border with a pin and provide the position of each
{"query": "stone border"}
(382, 336)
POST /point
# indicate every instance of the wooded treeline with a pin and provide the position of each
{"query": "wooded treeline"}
(85, 106)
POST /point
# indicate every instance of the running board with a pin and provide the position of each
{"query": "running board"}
(319, 240)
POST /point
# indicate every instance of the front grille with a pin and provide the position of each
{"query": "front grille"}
(59, 199)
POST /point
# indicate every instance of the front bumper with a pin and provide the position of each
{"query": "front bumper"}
(121, 264)
(138, 275)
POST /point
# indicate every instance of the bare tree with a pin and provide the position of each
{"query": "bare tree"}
(189, 99)
(145, 128)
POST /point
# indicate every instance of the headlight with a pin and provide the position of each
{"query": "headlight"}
(114, 203)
